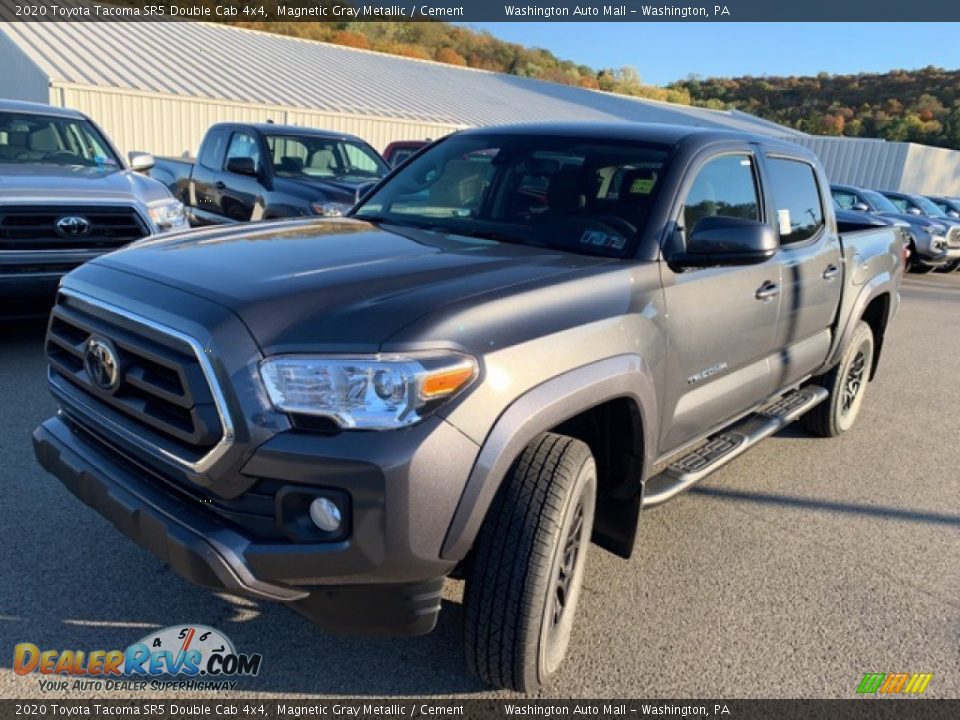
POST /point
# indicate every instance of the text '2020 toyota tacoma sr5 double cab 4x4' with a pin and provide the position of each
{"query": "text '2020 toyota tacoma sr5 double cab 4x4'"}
(66, 196)
(472, 375)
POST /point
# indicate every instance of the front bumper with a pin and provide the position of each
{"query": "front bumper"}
(372, 590)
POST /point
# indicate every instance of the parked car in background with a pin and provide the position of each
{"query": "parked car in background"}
(465, 377)
(66, 196)
(950, 206)
(249, 172)
(928, 239)
(921, 206)
(400, 150)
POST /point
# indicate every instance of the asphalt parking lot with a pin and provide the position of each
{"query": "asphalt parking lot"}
(789, 573)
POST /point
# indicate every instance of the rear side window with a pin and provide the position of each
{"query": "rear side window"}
(796, 196)
(211, 153)
(725, 187)
(845, 200)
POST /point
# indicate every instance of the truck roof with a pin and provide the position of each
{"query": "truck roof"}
(278, 129)
(663, 133)
(39, 109)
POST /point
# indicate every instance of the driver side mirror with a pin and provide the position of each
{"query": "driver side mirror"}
(242, 166)
(141, 161)
(913, 211)
(953, 214)
(719, 240)
(860, 207)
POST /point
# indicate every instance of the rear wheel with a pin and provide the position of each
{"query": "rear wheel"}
(846, 384)
(527, 568)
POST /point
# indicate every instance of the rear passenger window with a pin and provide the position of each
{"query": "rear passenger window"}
(724, 187)
(845, 200)
(796, 195)
(212, 151)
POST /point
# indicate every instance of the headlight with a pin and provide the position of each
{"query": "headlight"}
(374, 392)
(330, 209)
(168, 215)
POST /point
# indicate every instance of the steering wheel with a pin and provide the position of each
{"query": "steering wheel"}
(624, 227)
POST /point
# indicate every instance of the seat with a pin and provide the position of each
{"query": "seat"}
(290, 164)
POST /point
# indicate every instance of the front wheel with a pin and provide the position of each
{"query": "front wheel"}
(527, 568)
(949, 267)
(846, 383)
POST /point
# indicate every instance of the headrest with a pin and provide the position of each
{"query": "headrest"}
(565, 191)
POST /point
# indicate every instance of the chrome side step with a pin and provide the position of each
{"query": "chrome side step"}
(724, 447)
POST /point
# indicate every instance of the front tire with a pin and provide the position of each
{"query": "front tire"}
(528, 562)
(949, 267)
(846, 383)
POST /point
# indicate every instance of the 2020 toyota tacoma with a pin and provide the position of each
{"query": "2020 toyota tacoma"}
(513, 345)
(66, 196)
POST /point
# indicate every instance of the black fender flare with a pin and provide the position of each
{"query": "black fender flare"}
(541, 408)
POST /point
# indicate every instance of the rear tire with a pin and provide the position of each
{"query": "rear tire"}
(528, 561)
(846, 383)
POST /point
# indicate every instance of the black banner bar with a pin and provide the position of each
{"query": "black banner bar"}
(438, 709)
(637, 11)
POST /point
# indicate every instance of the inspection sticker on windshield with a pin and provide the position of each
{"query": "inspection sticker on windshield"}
(602, 239)
(641, 186)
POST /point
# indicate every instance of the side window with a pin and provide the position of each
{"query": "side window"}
(796, 194)
(212, 150)
(845, 200)
(900, 203)
(359, 160)
(243, 145)
(725, 187)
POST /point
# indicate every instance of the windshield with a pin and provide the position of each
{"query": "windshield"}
(880, 202)
(26, 138)
(928, 207)
(296, 156)
(585, 196)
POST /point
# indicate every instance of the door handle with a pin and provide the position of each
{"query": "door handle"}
(831, 272)
(768, 291)
(220, 185)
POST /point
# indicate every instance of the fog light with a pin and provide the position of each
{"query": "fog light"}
(325, 514)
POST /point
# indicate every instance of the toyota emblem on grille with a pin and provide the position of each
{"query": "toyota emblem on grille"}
(73, 226)
(101, 364)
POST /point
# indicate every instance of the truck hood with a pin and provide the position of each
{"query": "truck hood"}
(35, 182)
(336, 285)
(913, 220)
(344, 191)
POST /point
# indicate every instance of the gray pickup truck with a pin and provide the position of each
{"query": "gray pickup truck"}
(519, 340)
(66, 196)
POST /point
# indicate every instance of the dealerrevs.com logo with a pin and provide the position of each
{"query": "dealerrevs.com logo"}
(203, 659)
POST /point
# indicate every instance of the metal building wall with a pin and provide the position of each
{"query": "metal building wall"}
(908, 167)
(860, 161)
(20, 77)
(932, 171)
(174, 125)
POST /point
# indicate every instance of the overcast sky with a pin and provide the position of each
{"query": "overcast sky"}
(664, 52)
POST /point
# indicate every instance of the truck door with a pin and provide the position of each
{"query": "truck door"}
(240, 183)
(202, 194)
(721, 320)
(811, 267)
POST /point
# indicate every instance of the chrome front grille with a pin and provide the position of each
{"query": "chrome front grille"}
(162, 395)
(34, 227)
(953, 237)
